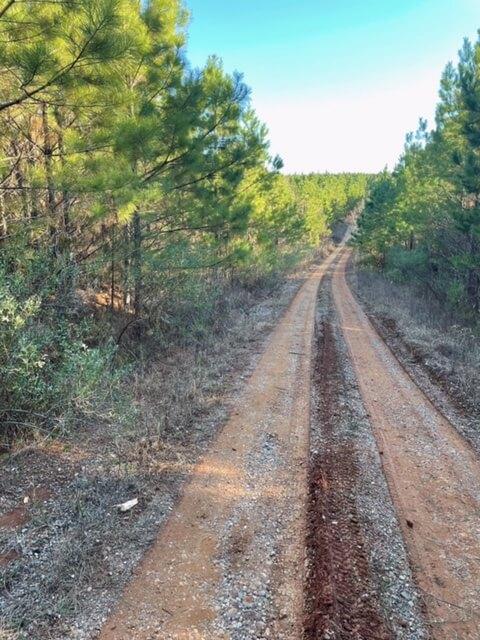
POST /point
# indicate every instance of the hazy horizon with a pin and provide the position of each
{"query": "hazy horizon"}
(338, 85)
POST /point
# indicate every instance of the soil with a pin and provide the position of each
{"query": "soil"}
(432, 472)
(432, 379)
(364, 588)
(336, 502)
(67, 554)
(339, 601)
(228, 563)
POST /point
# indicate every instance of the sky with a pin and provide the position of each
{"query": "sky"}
(339, 83)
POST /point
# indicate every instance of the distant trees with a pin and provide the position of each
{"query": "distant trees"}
(113, 149)
(423, 221)
(326, 198)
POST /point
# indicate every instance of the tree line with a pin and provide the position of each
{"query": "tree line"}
(125, 174)
(422, 221)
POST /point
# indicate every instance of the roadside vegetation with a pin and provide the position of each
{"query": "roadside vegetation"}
(422, 331)
(421, 223)
(148, 243)
(418, 269)
(70, 543)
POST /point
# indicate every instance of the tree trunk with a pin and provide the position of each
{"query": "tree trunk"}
(411, 242)
(137, 265)
(31, 195)
(3, 217)
(112, 268)
(66, 199)
(126, 267)
(51, 205)
(20, 182)
(473, 279)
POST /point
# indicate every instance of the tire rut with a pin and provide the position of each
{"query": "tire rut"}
(340, 599)
(432, 473)
(228, 563)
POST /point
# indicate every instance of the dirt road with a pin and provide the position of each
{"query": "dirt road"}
(215, 569)
(433, 476)
(231, 561)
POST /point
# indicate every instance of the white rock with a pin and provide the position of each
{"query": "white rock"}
(126, 506)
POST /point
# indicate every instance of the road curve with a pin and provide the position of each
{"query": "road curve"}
(231, 555)
(433, 475)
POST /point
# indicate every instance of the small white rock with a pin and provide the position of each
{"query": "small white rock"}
(129, 504)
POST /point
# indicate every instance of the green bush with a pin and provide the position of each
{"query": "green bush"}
(403, 266)
(456, 293)
(50, 377)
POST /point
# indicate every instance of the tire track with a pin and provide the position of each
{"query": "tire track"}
(433, 476)
(341, 602)
(229, 561)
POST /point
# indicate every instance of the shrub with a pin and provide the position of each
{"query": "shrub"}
(50, 377)
(404, 266)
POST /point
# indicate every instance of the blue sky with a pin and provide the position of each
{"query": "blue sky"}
(338, 82)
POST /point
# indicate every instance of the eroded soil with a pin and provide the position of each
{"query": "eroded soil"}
(359, 583)
(340, 599)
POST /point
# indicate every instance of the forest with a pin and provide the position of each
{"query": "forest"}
(421, 223)
(132, 186)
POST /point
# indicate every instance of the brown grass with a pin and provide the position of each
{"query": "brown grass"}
(76, 551)
(438, 339)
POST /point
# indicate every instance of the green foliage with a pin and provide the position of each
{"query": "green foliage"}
(325, 199)
(126, 176)
(403, 266)
(50, 377)
(423, 220)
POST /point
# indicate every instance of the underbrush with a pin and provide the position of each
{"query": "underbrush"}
(193, 304)
(67, 364)
(435, 335)
(55, 371)
(440, 282)
(183, 363)
(77, 551)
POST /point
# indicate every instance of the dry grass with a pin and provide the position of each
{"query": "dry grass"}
(434, 336)
(76, 549)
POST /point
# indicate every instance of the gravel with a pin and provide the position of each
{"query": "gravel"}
(246, 598)
(76, 552)
(391, 574)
